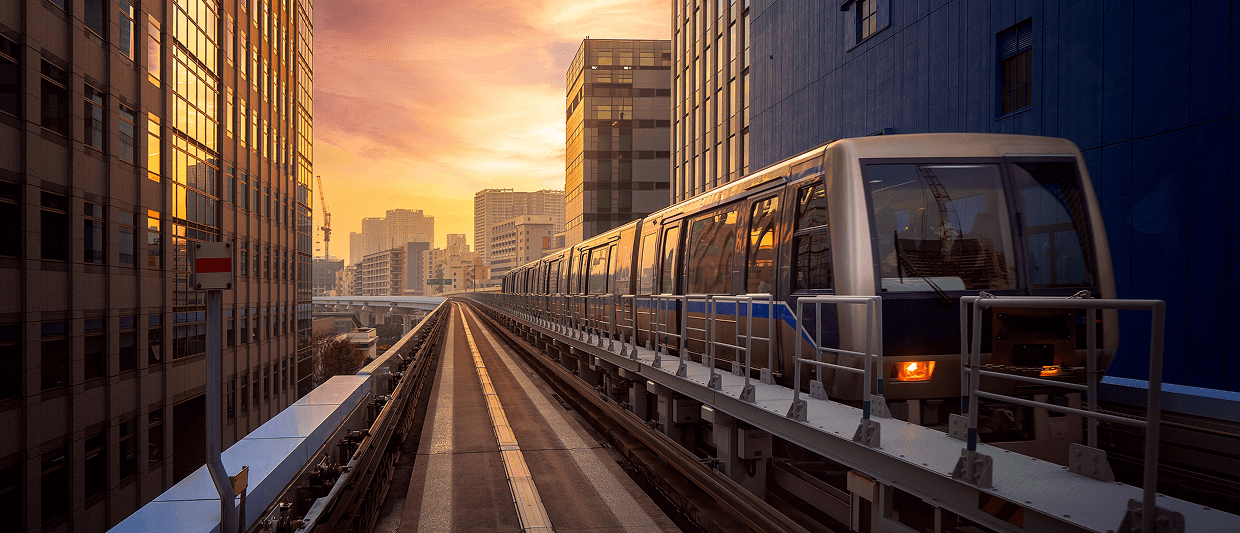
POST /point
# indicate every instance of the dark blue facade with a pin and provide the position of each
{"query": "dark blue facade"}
(1149, 90)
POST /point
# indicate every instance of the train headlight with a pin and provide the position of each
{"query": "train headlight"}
(914, 370)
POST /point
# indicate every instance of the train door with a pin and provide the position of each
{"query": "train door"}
(667, 313)
(812, 275)
(647, 281)
(761, 263)
(597, 282)
(710, 268)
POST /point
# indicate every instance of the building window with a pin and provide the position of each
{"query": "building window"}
(128, 344)
(129, 447)
(96, 464)
(54, 231)
(127, 124)
(245, 394)
(152, 147)
(284, 370)
(10, 218)
(55, 483)
(228, 324)
(153, 51)
(244, 326)
(127, 240)
(230, 400)
(54, 354)
(95, 362)
(58, 3)
(92, 233)
(154, 251)
(1016, 68)
(155, 339)
(10, 77)
(267, 381)
(257, 390)
(154, 436)
(93, 14)
(125, 21)
(11, 354)
(55, 99)
(12, 495)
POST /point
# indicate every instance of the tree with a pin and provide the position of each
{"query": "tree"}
(389, 332)
(336, 356)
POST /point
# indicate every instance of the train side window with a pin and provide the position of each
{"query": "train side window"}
(553, 281)
(760, 275)
(599, 258)
(667, 278)
(650, 254)
(812, 241)
(711, 248)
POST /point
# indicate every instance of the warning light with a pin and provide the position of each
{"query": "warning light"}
(914, 370)
(1052, 370)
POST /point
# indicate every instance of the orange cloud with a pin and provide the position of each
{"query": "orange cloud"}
(418, 105)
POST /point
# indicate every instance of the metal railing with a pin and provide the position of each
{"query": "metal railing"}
(712, 317)
(1153, 414)
(867, 432)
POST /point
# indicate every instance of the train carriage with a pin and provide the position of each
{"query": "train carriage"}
(920, 220)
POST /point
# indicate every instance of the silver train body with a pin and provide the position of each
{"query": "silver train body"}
(920, 220)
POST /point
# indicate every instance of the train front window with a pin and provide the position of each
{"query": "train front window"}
(941, 227)
(1049, 197)
(812, 241)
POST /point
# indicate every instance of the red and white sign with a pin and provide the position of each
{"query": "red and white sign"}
(213, 268)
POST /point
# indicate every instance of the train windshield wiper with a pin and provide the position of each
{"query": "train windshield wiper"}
(902, 265)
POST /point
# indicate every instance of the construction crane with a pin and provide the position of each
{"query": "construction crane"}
(327, 221)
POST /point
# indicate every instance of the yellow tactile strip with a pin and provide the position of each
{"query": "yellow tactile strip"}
(525, 496)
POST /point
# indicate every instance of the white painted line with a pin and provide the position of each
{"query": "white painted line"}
(525, 495)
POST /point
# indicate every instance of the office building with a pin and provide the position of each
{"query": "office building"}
(517, 241)
(395, 229)
(382, 273)
(710, 105)
(416, 254)
(355, 248)
(491, 206)
(325, 275)
(128, 133)
(618, 109)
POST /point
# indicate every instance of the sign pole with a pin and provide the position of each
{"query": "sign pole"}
(213, 272)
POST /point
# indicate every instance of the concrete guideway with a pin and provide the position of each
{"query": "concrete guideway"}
(917, 460)
(476, 473)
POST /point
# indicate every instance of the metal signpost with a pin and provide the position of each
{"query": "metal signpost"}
(213, 273)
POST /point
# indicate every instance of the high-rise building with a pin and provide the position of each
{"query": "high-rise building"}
(405, 226)
(382, 273)
(618, 109)
(128, 133)
(355, 248)
(374, 235)
(415, 267)
(710, 107)
(492, 206)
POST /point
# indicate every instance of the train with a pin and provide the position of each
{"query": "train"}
(919, 220)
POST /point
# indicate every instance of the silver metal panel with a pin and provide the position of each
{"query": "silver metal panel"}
(193, 516)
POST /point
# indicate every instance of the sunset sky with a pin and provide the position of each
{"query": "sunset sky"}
(418, 105)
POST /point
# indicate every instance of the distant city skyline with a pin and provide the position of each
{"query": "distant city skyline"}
(412, 106)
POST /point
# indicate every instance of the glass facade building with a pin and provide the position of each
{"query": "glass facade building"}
(617, 101)
(129, 131)
(710, 107)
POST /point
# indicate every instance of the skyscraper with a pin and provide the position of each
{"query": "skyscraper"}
(618, 109)
(128, 133)
(710, 108)
(492, 206)
(403, 226)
